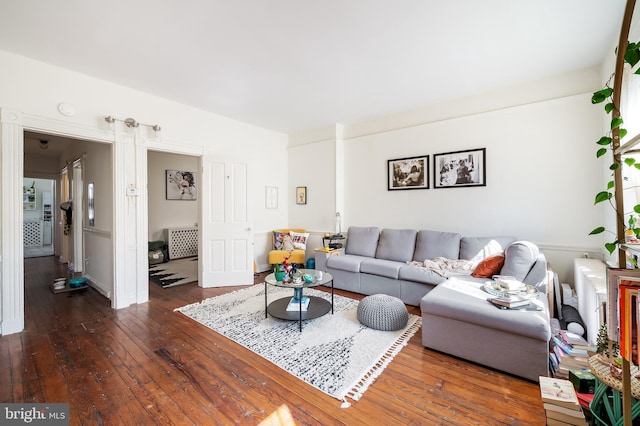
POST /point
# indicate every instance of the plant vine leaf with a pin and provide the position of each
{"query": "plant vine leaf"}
(616, 122)
(611, 184)
(601, 152)
(608, 107)
(636, 208)
(603, 196)
(614, 166)
(598, 230)
(601, 95)
(605, 140)
(629, 161)
(622, 133)
(611, 247)
(632, 55)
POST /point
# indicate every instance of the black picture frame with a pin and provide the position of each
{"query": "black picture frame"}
(460, 168)
(408, 173)
(181, 185)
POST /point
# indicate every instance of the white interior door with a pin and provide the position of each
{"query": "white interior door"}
(78, 217)
(226, 246)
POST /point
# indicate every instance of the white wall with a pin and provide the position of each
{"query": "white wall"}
(542, 174)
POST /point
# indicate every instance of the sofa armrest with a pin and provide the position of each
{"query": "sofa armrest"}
(537, 276)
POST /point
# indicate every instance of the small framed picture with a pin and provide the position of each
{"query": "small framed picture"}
(271, 197)
(301, 195)
(181, 185)
(460, 168)
(408, 173)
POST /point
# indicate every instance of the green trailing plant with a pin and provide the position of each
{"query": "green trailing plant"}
(606, 144)
(603, 343)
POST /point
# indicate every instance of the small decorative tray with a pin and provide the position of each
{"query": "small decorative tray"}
(528, 291)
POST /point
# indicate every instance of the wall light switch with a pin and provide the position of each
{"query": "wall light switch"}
(132, 191)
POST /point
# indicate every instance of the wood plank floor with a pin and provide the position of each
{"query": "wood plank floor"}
(149, 365)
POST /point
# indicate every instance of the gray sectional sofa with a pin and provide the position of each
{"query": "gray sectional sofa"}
(375, 261)
(456, 317)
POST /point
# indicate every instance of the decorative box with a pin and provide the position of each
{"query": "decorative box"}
(583, 381)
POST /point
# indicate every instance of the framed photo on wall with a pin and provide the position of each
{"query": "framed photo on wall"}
(181, 185)
(408, 173)
(460, 168)
(271, 197)
(301, 195)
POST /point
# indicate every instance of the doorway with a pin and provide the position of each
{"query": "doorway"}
(172, 206)
(38, 199)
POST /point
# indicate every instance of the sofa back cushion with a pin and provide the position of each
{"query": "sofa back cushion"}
(519, 258)
(362, 241)
(478, 248)
(396, 244)
(432, 244)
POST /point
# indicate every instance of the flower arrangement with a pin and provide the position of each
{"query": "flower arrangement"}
(286, 266)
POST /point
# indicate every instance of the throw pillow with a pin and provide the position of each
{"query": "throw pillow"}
(287, 243)
(299, 240)
(489, 267)
(277, 239)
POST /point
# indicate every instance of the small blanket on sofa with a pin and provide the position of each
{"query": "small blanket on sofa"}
(447, 267)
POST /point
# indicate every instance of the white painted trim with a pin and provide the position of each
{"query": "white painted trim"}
(142, 220)
(11, 215)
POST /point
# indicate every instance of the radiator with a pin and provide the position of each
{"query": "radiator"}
(32, 231)
(591, 291)
(182, 242)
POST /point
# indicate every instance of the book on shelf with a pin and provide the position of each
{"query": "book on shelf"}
(509, 302)
(294, 305)
(559, 392)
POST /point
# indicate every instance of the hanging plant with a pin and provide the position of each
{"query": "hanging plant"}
(606, 143)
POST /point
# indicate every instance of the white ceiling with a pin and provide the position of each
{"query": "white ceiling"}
(292, 65)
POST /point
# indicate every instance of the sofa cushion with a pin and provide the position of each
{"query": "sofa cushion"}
(287, 243)
(419, 275)
(519, 258)
(432, 244)
(362, 241)
(381, 267)
(347, 262)
(489, 267)
(478, 248)
(396, 244)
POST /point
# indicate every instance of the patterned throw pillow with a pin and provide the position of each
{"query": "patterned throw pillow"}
(278, 239)
(287, 243)
(299, 240)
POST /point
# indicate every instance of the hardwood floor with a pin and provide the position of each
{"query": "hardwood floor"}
(149, 365)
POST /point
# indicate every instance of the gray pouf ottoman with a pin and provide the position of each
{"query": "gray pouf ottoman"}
(383, 312)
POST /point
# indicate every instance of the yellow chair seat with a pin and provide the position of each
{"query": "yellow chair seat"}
(277, 256)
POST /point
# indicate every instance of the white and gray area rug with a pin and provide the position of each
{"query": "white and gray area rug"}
(175, 272)
(334, 353)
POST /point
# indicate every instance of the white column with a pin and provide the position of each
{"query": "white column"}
(11, 258)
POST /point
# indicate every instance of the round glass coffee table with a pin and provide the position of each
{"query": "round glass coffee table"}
(317, 306)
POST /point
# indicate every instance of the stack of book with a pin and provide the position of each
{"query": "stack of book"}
(568, 351)
(509, 301)
(560, 402)
(294, 305)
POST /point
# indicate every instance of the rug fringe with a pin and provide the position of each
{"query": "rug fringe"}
(370, 376)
